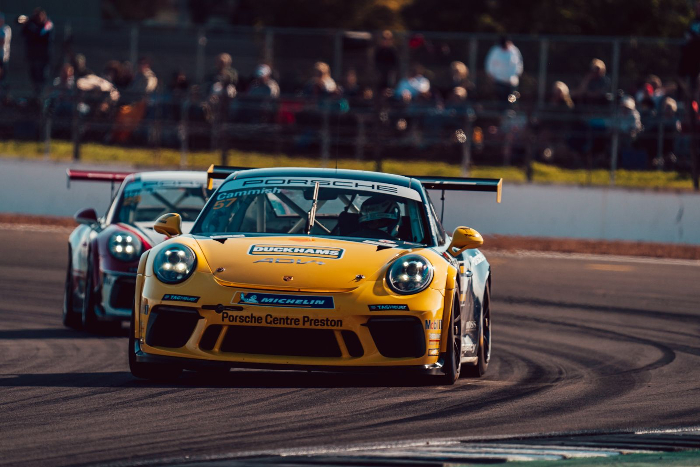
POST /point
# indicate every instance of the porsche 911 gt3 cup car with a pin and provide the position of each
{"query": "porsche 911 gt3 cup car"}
(315, 269)
(103, 254)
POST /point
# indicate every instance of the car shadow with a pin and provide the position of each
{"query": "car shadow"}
(252, 379)
(63, 333)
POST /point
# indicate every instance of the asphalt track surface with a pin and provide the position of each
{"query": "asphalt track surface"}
(579, 344)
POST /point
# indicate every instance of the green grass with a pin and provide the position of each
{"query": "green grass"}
(542, 173)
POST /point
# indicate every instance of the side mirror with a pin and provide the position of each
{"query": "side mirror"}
(86, 216)
(169, 225)
(464, 238)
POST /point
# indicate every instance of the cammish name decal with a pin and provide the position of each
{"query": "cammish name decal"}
(285, 301)
(321, 252)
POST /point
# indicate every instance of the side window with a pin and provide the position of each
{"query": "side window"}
(439, 229)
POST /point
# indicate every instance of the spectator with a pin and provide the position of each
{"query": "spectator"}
(629, 121)
(145, 81)
(321, 84)
(459, 74)
(504, 65)
(224, 74)
(595, 86)
(38, 31)
(66, 79)
(5, 38)
(413, 86)
(263, 85)
(561, 98)
(386, 61)
(80, 66)
(351, 89)
(129, 116)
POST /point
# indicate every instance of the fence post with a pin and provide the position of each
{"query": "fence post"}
(361, 137)
(325, 139)
(75, 128)
(473, 51)
(337, 55)
(183, 132)
(269, 52)
(616, 135)
(134, 44)
(542, 79)
(199, 58)
(469, 118)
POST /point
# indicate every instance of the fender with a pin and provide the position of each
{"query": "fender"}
(138, 291)
(450, 286)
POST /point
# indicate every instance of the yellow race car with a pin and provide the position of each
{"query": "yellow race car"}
(315, 269)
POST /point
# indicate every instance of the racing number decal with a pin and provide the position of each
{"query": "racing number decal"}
(224, 203)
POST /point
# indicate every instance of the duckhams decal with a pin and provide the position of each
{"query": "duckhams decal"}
(322, 252)
(285, 301)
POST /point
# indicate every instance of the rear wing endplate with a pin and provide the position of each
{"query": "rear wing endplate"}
(220, 172)
(494, 185)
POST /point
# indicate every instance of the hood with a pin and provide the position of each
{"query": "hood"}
(296, 263)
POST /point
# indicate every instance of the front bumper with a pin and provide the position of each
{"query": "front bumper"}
(118, 290)
(219, 329)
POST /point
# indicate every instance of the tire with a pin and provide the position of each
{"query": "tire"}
(71, 318)
(149, 371)
(89, 318)
(483, 351)
(453, 356)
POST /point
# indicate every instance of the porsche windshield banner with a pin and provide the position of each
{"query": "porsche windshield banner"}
(302, 182)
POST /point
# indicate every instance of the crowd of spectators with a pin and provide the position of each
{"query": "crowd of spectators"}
(122, 95)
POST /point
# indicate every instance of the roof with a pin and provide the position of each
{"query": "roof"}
(377, 177)
(198, 175)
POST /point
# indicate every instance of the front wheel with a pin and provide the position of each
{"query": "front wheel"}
(150, 371)
(453, 356)
(71, 318)
(89, 318)
(484, 344)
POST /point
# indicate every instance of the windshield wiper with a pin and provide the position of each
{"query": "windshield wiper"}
(311, 215)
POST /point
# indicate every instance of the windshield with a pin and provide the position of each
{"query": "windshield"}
(345, 208)
(146, 201)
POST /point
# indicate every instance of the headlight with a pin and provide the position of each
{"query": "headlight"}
(174, 264)
(409, 274)
(125, 246)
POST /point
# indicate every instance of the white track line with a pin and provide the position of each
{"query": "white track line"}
(591, 257)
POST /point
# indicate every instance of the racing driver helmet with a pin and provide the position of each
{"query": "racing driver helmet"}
(380, 213)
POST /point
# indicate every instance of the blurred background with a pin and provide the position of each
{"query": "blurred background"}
(585, 92)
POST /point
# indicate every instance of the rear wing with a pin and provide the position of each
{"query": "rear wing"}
(494, 185)
(95, 176)
(220, 172)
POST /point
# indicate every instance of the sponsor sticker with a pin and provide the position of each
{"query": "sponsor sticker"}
(471, 325)
(316, 252)
(180, 298)
(284, 301)
(433, 352)
(388, 307)
(288, 261)
(433, 324)
(324, 182)
(434, 335)
(270, 320)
